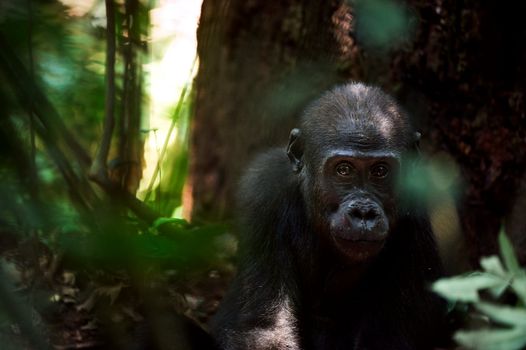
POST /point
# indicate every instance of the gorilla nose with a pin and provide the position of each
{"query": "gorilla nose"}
(363, 213)
(366, 215)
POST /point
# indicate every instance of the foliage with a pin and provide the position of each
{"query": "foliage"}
(382, 24)
(508, 323)
(172, 164)
(78, 254)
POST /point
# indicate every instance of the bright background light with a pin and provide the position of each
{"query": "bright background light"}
(171, 66)
(173, 47)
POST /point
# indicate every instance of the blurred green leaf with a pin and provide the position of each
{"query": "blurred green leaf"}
(430, 179)
(508, 254)
(182, 247)
(513, 316)
(496, 279)
(492, 264)
(466, 288)
(499, 339)
(162, 221)
(382, 24)
(518, 284)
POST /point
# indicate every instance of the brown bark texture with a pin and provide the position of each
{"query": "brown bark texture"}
(460, 72)
(260, 61)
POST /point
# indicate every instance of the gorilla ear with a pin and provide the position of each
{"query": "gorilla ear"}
(295, 150)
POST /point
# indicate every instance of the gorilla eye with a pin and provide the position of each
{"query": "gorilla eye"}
(380, 171)
(344, 169)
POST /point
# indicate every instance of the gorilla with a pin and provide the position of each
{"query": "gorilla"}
(333, 253)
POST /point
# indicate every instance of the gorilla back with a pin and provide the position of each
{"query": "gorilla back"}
(331, 257)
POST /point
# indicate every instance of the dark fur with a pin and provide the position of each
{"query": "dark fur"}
(292, 290)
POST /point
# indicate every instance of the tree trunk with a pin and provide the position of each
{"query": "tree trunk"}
(260, 61)
(460, 74)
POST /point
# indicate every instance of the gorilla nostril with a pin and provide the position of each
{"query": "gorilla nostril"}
(356, 213)
(371, 215)
(366, 214)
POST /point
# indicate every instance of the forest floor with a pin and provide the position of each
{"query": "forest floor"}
(78, 307)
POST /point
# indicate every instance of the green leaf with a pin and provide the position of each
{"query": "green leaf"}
(508, 254)
(501, 339)
(163, 221)
(493, 265)
(518, 285)
(383, 23)
(513, 316)
(465, 288)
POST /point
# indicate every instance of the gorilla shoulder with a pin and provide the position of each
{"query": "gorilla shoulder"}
(258, 188)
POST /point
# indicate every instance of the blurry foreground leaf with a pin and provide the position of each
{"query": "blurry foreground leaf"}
(435, 182)
(496, 278)
(518, 283)
(175, 221)
(180, 223)
(184, 247)
(513, 316)
(466, 288)
(508, 254)
(382, 24)
(492, 264)
(500, 339)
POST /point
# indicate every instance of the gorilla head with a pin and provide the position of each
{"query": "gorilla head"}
(348, 154)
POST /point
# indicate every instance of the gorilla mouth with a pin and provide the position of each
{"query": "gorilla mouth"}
(350, 241)
(358, 249)
(349, 230)
(350, 233)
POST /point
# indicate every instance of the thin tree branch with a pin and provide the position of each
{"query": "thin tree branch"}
(99, 170)
(34, 177)
(129, 149)
(48, 125)
(50, 128)
(29, 93)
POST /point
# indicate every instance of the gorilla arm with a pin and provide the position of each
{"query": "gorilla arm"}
(259, 311)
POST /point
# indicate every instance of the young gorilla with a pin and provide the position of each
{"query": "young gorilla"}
(331, 256)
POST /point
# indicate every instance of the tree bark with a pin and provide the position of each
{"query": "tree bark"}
(260, 62)
(461, 75)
